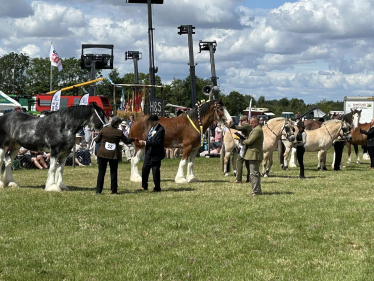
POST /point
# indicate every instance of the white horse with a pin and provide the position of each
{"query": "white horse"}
(321, 140)
(273, 132)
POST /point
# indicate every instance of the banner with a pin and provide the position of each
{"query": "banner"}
(55, 103)
(54, 58)
(84, 100)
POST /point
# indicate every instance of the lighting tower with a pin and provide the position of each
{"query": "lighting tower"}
(96, 61)
(135, 56)
(188, 29)
(211, 47)
(152, 69)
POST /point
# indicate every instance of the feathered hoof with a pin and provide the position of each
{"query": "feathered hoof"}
(358, 162)
(63, 187)
(192, 179)
(180, 180)
(292, 166)
(265, 175)
(226, 174)
(136, 179)
(53, 187)
(2, 184)
(13, 184)
(349, 162)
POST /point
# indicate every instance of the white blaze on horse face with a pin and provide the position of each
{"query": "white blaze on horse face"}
(356, 119)
(227, 115)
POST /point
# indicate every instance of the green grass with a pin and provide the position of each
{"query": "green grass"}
(320, 228)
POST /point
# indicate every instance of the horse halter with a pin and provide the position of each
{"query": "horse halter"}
(98, 116)
(218, 112)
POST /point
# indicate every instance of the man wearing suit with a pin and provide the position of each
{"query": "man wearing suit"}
(154, 153)
(245, 128)
(255, 154)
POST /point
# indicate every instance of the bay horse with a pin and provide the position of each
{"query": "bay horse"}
(357, 139)
(185, 131)
(273, 132)
(321, 140)
(54, 133)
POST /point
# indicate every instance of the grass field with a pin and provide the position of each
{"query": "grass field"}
(319, 228)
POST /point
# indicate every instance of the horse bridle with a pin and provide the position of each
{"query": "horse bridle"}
(340, 129)
(283, 127)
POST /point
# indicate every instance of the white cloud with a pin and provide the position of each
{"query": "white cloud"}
(31, 50)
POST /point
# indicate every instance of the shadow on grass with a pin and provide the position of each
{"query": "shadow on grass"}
(278, 193)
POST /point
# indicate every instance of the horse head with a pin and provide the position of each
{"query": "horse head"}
(345, 132)
(356, 115)
(289, 130)
(98, 118)
(221, 115)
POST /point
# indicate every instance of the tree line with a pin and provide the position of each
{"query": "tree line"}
(25, 76)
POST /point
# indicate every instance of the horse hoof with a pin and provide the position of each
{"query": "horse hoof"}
(266, 175)
(226, 174)
(318, 168)
(136, 179)
(53, 187)
(63, 187)
(324, 168)
(13, 184)
(2, 184)
(193, 179)
(358, 162)
(292, 166)
(180, 180)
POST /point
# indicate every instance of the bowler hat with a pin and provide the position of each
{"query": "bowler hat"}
(153, 118)
(243, 118)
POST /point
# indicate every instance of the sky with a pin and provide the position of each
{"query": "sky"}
(307, 49)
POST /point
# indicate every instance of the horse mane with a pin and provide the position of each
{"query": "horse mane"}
(275, 119)
(203, 109)
(333, 121)
(77, 112)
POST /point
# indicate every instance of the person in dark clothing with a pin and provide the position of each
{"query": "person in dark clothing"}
(300, 149)
(339, 144)
(370, 142)
(109, 138)
(154, 153)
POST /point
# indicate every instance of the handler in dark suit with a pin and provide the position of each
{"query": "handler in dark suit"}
(154, 153)
(108, 152)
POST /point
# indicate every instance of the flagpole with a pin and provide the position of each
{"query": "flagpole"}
(50, 83)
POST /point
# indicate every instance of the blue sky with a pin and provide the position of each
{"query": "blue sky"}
(306, 49)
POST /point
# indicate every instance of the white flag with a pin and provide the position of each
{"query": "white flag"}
(84, 100)
(54, 58)
(55, 103)
(250, 109)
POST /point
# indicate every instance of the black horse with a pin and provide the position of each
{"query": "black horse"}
(54, 133)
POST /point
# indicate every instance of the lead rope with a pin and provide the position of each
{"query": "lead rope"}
(104, 125)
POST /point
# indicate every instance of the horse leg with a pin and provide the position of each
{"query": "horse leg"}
(270, 163)
(333, 160)
(2, 154)
(225, 161)
(355, 146)
(365, 154)
(264, 164)
(349, 152)
(234, 159)
(285, 158)
(135, 176)
(179, 178)
(59, 174)
(292, 159)
(51, 184)
(190, 176)
(324, 161)
(8, 177)
(319, 157)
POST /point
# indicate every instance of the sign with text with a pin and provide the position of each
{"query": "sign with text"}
(156, 106)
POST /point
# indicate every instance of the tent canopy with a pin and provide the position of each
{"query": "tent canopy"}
(7, 102)
(315, 112)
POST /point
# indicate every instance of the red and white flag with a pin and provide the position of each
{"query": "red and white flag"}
(54, 58)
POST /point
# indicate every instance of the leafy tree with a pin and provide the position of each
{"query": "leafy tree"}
(236, 103)
(13, 68)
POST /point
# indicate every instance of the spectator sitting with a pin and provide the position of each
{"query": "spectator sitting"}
(83, 155)
(214, 149)
(38, 160)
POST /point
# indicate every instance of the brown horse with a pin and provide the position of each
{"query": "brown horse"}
(311, 124)
(357, 139)
(184, 131)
